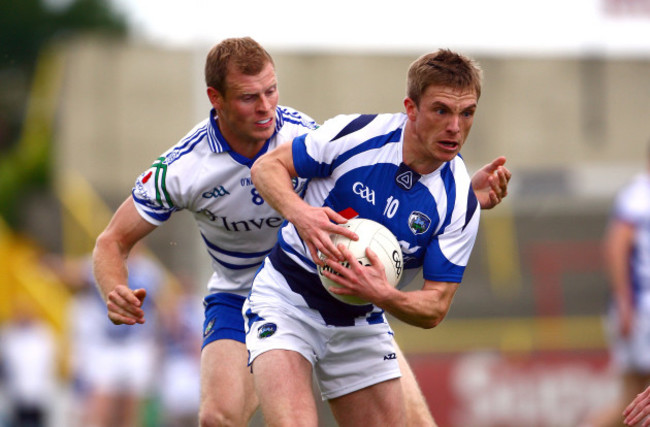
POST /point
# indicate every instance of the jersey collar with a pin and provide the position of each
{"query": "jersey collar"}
(218, 143)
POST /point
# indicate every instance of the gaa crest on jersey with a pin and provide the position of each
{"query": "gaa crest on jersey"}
(266, 330)
(419, 223)
(215, 193)
(365, 192)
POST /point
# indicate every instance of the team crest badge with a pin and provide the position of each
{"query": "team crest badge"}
(266, 330)
(418, 222)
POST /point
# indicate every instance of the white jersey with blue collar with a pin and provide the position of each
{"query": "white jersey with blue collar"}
(202, 175)
(355, 167)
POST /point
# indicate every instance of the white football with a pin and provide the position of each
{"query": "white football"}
(380, 240)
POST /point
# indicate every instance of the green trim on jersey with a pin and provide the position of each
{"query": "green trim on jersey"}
(161, 175)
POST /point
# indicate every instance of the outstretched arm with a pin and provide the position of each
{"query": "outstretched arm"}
(618, 250)
(490, 183)
(110, 256)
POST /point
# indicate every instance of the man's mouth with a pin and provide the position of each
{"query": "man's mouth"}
(449, 144)
(264, 122)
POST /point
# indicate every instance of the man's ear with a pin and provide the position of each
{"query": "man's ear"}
(215, 98)
(411, 108)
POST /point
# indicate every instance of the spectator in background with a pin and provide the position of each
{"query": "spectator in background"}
(29, 355)
(627, 258)
(180, 378)
(114, 366)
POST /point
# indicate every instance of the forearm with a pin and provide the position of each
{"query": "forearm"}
(110, 256)
(272, 179)
(621, 290)
(109, 265)
(618, 251)
(114, 244)
(272, 174)
(424, 308)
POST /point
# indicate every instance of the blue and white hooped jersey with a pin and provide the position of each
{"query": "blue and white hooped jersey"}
(632, 206)
(355, 167)
(203, 175)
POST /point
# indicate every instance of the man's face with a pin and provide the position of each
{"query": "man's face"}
(441, 123)
(246, 112)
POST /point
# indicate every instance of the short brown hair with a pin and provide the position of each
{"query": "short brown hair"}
(443, 68)
(244, 54)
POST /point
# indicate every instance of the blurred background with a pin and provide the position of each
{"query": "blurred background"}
(92, 91)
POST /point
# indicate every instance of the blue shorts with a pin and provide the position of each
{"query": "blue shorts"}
(223, 318)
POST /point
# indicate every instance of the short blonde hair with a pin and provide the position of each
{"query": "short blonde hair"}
(443, 68)
(241, 54)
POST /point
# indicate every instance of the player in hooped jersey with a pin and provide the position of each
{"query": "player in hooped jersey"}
(402, 170)
(627, 258)
(208, 174)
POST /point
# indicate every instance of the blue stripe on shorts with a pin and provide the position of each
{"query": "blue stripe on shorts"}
(223, 318)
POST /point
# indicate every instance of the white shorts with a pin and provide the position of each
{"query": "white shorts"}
(345, 359)
(180, 385)
(632, 353)
(120, 368)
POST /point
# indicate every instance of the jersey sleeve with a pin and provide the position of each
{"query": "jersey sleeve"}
(449, 250)
(315, 154)
(305, 165)
(631, 204)
(154, 193)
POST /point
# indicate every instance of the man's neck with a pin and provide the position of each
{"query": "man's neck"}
(246, 147)
(410, 155)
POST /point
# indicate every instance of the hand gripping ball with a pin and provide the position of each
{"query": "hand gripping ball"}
(380, 240)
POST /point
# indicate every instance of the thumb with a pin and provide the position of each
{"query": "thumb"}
(140, 294)
(499, 161)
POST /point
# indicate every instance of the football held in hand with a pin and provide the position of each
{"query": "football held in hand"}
(380, 240)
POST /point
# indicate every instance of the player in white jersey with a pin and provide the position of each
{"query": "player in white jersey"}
(627, 256)
(208, 174)
(114, 365)
(402, 170)
(205, 176)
